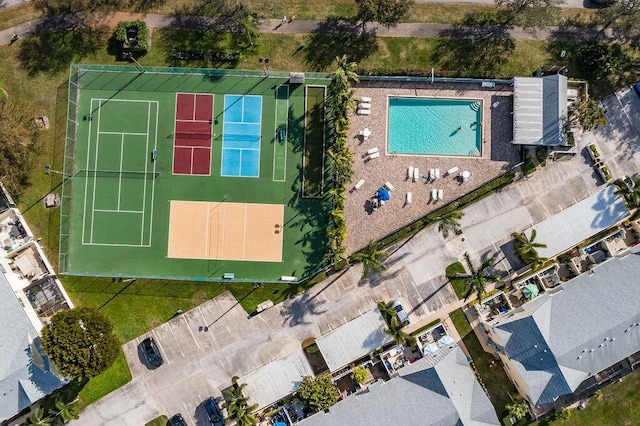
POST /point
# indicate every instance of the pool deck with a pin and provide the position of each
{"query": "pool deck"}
(498, 155)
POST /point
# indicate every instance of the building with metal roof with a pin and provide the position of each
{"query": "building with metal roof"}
(26, 374)
(540, 110)
(276, 380)
(564, 343)
(446, 393)
(582, 220)
(353, 340)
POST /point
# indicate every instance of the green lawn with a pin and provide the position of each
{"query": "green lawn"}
(457, 283)
(158, 421)
(494, 377)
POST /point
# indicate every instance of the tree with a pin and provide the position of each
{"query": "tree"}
(37, 418)
(518, 409)
(359, 374)
(449, 222)
(387, 13)
(387, 310)
(371, 257)
(526, 248)
(629, 189)
(622, 15)
(65, 412)
(590, 115)
(477, 279)
(530, 13)
(80, 342)
(318, 394)
(394, 330)
(601, 61)
(238, 407)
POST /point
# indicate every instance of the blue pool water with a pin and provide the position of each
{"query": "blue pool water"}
(435, 126)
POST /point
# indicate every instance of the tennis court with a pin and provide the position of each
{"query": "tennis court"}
(241, 135)
(172, 175)
(119, 177)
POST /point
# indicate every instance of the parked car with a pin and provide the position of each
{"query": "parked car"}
(213, 412)
(151, 352)
(637, 87)
(403, 318)
(177, 420)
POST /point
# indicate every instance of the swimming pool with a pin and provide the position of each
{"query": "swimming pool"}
(434, 126)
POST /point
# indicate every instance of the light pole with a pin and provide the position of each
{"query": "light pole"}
(130, 56)
(48, 170)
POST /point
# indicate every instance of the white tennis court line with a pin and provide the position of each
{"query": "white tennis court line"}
(123, 134)
(86, 181)
(277, 139)
(193, 121)
(153, 186)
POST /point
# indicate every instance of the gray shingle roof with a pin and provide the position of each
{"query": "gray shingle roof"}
(25, 372)
(593, 323)
(447, 394)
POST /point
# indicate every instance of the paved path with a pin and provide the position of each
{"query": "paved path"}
(303, 27)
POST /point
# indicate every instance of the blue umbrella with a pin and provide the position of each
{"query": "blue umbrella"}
(383, 194)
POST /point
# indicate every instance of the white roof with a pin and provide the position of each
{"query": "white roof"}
(353, 340)
(277, 379)
(527, 110)
(566, 229)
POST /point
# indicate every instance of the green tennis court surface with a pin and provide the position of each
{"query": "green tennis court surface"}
(123, 144)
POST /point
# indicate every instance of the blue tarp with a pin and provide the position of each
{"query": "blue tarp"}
(383, 194)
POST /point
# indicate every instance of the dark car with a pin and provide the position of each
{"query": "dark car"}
(151, 352)
(213, 412)
(177, 420)
(637, 87)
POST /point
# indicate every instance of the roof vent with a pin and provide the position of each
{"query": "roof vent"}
(613, 338)
(584, 350)
(590, 350)
(626, 330)
(535, 346)
(600, 345)
(579, 357)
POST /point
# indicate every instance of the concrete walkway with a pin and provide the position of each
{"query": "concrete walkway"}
(311, 26)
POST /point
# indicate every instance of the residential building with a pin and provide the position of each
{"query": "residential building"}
(565, 343)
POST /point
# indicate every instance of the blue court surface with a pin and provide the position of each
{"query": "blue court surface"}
(241, 133)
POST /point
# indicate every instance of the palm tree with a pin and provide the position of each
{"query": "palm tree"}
(477, 279)
(346, 71)
(395, 330)
(387, 311)
(629, 189)
(238, 407)
(449, 222)
(66, 411)
(37, 418)
(526, 248)
(371, 257)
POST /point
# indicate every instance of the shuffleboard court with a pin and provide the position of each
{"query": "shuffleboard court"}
(226, 231)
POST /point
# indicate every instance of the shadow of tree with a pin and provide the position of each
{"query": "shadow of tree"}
(53, 52)
(192, 41)
(300, 310)
(333, 38)
(473, 50)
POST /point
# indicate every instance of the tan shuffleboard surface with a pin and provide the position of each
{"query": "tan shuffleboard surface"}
(226, 231)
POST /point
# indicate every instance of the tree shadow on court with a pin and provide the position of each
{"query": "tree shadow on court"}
(334, 38)
(53, 52)
(473, 49)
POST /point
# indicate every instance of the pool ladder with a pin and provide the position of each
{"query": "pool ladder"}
(475, 106)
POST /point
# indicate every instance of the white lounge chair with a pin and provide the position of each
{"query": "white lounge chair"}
(372, 150)
(374, 155)
(389, 186)
(410, 172)
(434, 195)
(409, 198)
(440, 194)
(437, 173)
(359, 184)
(364, 105)
(496, 104)
(416, 174)
(452, 170)
(365, 99)
(432, 174)
(364, 112)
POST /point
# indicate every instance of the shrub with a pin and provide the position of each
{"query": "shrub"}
(143, 33)
(359, 374)
(319, 393)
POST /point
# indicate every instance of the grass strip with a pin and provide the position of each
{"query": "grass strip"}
(452, 272)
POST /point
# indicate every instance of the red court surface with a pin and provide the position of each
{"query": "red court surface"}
(192, 136)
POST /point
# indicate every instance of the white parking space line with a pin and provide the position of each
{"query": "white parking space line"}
(164, 353)
(206, 325)
(174, 338)
(188, 413)
(189, 328)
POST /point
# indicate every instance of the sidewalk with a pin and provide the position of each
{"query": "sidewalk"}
(275, 26)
